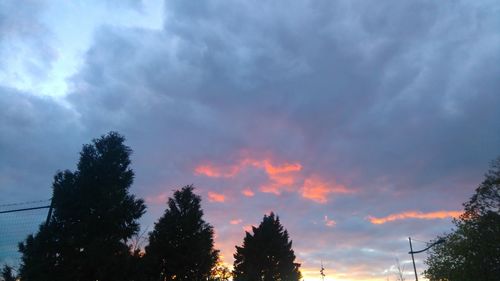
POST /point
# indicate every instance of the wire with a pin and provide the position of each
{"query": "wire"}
(25, 203)
(426, 242)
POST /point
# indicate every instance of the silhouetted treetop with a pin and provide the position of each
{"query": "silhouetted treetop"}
(266, 254)
(181, 246)
(93, 218)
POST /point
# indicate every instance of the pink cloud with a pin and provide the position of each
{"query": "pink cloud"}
(216, 197)
(248, 192)
(318, 190)
(281, 176)
(247, 228)
(236, 221)
(415, 215)
(284, 176)
(216, 172)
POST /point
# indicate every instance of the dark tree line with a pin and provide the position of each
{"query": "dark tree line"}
(95, 218)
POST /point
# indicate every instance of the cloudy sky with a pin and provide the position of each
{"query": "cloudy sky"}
(359, 123)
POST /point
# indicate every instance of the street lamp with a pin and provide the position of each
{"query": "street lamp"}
(411, 252)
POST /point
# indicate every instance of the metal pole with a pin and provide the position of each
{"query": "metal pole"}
(413, 259)
(49, 214)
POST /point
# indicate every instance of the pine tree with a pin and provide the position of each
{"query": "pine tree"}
(266, 255)
(94, 216)
(181, 246)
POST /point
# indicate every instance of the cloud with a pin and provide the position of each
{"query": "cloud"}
(26, 45)
(280, 176)
(415, 215)
(37, 138)
(317, 190)
(248, 192)
(329, 222)
(214, 172)
(216, 197)
(236, 221)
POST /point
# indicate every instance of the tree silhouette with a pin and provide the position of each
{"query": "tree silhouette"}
(8, 273)
(266, 255)
(472, 250)
(181, 246)
(94, 216)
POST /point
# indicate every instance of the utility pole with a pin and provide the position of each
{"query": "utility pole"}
(49, 214)
(413, 260)
(439, 241)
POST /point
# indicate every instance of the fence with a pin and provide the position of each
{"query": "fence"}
(17, 221)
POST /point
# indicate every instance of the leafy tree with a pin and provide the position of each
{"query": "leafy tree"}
(266, 255)
(94, 216)
(220, 273)
(472, 249)
(181, 246)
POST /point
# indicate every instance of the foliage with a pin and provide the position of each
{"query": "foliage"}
(266, 255)
(94, 216)
(220, 273)
(472, 250)
(181, 246)
(8, 273)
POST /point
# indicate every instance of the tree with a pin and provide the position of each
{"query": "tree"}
(220, 273)
(8, 273)
(94, 217)
(399, 271)
(266, 255)
(472, 250)
(181, 246)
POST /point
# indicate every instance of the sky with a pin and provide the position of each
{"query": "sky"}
(360, 123)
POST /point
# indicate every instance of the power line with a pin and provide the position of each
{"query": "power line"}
(24, 209)
(24, 203)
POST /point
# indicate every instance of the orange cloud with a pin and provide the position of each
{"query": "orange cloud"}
(216, 197)
(248, 192)
(415, 215)
(318, 190)
(215, 172)
(280, 169)
(281, 176)
(236, 221)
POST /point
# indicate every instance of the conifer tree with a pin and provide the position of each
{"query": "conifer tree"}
(181, 246)
(266, 255)
(94, 216)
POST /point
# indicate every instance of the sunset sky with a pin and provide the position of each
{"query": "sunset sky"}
(360, 123)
